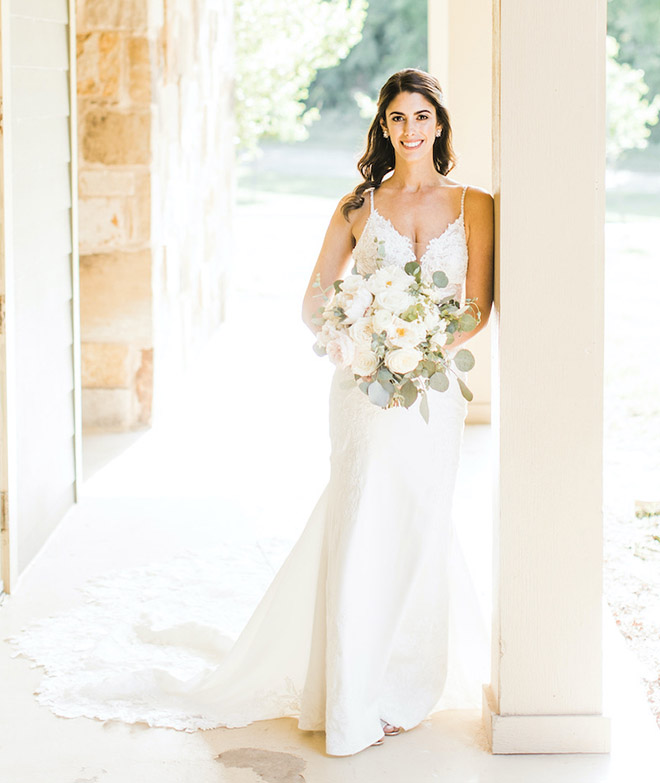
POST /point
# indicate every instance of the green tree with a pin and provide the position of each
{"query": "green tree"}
(279, 46)
(629, 113)
(636, 26)
(394, 37)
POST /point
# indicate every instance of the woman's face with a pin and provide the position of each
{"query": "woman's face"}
(411, 122)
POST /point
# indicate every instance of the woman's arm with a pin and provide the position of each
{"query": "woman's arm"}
(331, 265)
(479, 225)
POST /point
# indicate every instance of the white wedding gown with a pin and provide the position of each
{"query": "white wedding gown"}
(357, 625)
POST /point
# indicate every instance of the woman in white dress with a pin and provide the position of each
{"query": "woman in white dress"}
(392, 481)
(351, 636)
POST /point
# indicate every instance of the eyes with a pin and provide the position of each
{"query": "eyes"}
(422, 116)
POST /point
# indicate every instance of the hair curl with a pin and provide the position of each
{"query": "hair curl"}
(378, 158)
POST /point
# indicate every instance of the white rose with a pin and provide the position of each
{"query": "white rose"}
(341, 350)
(406, 334)
(356, 304)
(382, 320)
(387, 278)
(438, 339)
(403, 360)
(361, 332)
(326, 333)
(364, 362)
(394, 300)
(353, 283)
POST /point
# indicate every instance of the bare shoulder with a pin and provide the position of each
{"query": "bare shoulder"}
(478, 197)
(355, 214)
(479, 210)
(351, 222)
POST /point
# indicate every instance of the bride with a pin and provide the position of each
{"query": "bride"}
(353, 637)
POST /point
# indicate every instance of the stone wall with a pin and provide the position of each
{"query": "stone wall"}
(155, 186)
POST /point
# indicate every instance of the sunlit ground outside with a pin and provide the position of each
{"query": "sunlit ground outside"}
(632, 413)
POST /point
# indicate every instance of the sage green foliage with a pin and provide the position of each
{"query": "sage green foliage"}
(636, 26)
(394, 37)
(387, 388)
(464, 360)
(630, 114)
(439, 381)
(279, 47)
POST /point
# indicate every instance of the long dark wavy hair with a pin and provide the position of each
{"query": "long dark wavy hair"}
(378, 158)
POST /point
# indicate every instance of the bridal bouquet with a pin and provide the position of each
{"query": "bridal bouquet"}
(392, 329)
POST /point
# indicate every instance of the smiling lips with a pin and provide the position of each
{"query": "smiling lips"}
(411, 145)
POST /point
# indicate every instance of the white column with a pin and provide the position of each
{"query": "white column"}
(460, 56)
(549, 129)
(8, 517)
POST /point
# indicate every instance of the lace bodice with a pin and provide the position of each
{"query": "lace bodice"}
(380, 243)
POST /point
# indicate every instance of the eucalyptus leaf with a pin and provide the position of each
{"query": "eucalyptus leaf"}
(413, 268)
(409, 393)
(440, 279)
(467, 322)
(384, 375)
(464, 360)
(378, 394)
(439, 382)
(464, 390)
(424, 408)
(337, 286)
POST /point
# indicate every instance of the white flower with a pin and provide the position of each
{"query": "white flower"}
(438, 339)
(353, 283)
(382, 320)
(403, 360)
(394, 300)
(341, 350)
(405, 334)
(326, 333)
(431, 320)
(361, 332)
(387, 278)
(356, 304)
(364, 362)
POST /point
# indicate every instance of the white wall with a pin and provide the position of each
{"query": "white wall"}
(40, 323)
(460, 56)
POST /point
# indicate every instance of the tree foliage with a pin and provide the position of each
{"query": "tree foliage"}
(636, 26)
(279, 46)
(394, 37)
(629, 113)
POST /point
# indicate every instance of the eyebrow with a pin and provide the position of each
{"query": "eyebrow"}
(419, 111)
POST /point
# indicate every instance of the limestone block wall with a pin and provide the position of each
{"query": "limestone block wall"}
(155, 186)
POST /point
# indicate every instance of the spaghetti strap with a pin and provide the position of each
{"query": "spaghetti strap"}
(371, 195)
(463, 198)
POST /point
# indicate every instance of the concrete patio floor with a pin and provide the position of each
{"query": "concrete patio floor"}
(229, 461)
(165, 490)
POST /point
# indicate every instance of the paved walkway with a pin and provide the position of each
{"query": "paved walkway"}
(244, 459)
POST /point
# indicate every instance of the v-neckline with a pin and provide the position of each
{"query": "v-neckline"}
(405, 237)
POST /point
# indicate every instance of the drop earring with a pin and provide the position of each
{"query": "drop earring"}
(438, 133)
(386, 135)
